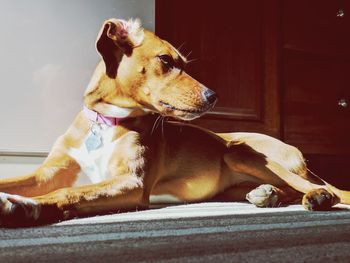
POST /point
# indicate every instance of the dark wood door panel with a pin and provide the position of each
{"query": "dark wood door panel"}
(314, 118)
(231, 55)
(238, 44)
(226, 44)
(316, 26)
(235, 47)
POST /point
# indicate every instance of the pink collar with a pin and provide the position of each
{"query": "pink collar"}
(99, 118)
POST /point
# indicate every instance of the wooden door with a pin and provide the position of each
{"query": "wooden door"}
(316, 75)
(235, 48)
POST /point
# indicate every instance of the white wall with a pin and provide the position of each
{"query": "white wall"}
(47, 55)
(47, 52)
(11, 166)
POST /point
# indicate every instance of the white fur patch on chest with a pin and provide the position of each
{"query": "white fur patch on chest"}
(94, 163)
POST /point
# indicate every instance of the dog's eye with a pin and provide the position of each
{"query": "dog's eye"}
(167, 61)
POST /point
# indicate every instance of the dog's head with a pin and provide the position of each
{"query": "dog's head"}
(140, 72)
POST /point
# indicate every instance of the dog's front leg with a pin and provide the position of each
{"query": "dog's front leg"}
(58, 170)
(120, 193)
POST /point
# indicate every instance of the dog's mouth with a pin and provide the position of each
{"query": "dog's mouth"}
(186, 113)
(171, 107)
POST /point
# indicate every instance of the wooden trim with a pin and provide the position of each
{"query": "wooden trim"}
(272, 50)
(237, 114)
(24, 154)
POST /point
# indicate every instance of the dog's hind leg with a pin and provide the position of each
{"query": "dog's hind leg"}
(267, 195)
(259, 167)
(264, 195)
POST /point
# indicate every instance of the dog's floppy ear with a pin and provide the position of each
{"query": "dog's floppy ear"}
(117, 38)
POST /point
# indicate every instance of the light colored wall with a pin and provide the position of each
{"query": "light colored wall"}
(47, 52)
(18, 165)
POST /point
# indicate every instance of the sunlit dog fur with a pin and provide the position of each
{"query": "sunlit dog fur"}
(144, 159)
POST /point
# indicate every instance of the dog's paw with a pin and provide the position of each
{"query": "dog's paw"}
(263, 196)
(319, 200)
(17, 210)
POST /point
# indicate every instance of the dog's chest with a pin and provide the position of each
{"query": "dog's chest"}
(94, 154)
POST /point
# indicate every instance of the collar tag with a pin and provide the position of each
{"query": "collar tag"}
(94, 141)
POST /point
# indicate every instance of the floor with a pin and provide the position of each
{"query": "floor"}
(206, 232)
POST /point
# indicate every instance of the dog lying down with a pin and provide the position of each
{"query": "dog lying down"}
(119, 154)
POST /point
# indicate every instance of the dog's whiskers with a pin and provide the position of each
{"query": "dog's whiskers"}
(188, 60)
(181, 46)
(156, 123)
(191, 60)
(189, 53)
(163, 118)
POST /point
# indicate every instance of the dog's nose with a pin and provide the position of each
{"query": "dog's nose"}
(210, 96)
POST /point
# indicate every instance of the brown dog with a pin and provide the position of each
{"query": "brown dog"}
(117, 155)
